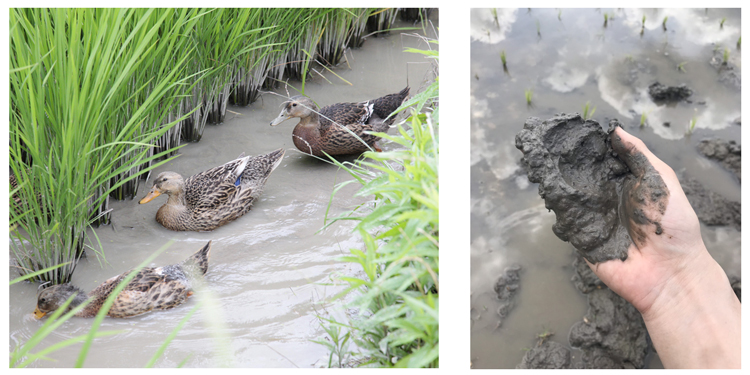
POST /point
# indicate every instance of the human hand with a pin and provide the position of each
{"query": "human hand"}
(669, 276)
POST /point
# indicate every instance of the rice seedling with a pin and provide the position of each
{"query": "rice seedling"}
(644, 118)
(721, 24)
(528, 94)
(681, 67)
(66, 172)
(606, 19)
(502, 58)
(691, 125)
(538, 29)
(494, 15)
(664, 23)
(559, 15)
(398, 295)
(643, 21)
(586, 114)
(739, 42)
(726, 56)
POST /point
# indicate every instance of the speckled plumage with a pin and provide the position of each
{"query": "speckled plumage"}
(158, 288)
(212, 198)
(318, 132)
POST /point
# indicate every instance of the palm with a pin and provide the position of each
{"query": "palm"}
(659, 258)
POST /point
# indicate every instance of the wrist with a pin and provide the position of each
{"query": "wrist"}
(695, 321)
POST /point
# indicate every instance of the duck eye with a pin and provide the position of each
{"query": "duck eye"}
(42, 300)
(164, 179)
(294, 105)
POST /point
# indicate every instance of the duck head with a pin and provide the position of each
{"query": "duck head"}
(165, 183)
(50, 299)
(298, 106)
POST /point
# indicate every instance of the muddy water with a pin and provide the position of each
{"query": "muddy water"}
(572, 60)
(268, 269)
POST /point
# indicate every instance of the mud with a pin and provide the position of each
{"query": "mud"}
(506, 287)
(591, 190)
(711, 208)
(662, 93)
(644, 195)
(729, 154)
(612, 334)
(728, 73)
(584, 278)
(547, 355)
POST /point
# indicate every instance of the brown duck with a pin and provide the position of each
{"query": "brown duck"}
(320, 131)
(214, 197)
(158, 288)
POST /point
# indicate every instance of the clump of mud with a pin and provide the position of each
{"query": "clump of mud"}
(662, 93)
(612, 334)
(728, 74)
(600, 202)
(584, 279)
(506, 287)
(546, 355)
(579, 180)
(711, 208)
(729, 154)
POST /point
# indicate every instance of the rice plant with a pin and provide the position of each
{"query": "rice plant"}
(359, 26)
(538, 29)
(502, 58)
(398, 295)
(721, 24)
(380, 20)
(80, 118)
(725, 58)
(494, 16)
(644, 118)
(528, 94)
(606, 19)
(586, 114)
(664, 23)
(739, 42)
(643, 21)
(681, 67)
(559, 15)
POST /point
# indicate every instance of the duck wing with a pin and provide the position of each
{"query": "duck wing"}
(344, 114)
(215, 187)
(384, 106)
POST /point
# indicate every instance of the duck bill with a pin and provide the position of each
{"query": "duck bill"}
(38, 313)
(151, 195)
(278, 120)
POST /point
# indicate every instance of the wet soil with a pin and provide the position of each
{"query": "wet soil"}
(506, 287)
(567, 59)
(599, 189)
(728, 153)
(580, 180)
(711, 208)
(662, 93)
(547, 355)
(269, 274)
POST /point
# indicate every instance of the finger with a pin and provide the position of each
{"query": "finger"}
(632, 151)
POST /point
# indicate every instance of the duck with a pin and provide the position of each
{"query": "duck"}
(158, 288)
(321, 132)
(212, 198)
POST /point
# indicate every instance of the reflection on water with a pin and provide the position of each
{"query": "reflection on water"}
(568, 58)
(270, 270)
